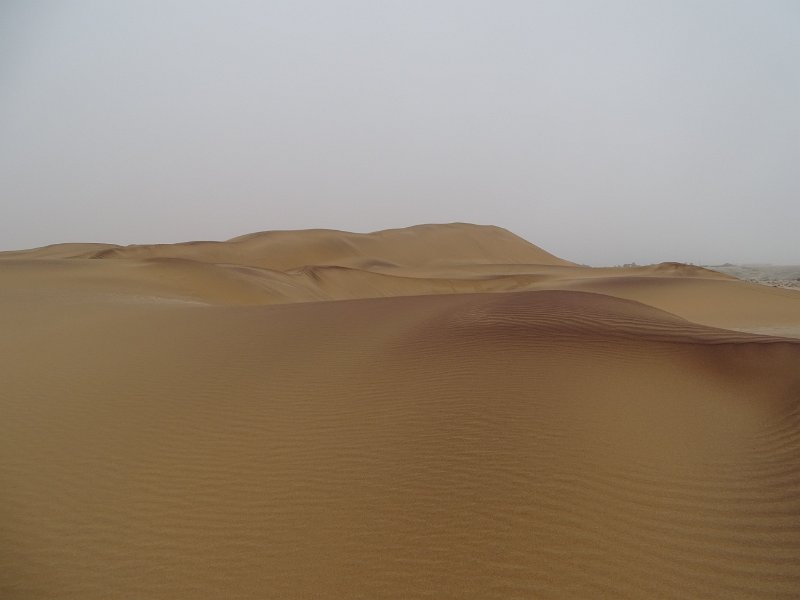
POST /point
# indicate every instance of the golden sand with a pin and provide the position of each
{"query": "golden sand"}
(444, 411)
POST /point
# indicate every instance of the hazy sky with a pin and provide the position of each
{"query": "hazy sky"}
(603, 131)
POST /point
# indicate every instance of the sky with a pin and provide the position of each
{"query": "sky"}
(605, 132)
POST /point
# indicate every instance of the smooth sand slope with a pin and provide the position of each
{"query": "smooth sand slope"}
(472, 419)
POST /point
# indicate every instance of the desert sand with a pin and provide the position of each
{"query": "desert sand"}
(442, 411)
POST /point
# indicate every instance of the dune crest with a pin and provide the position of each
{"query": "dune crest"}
(415, 246)
(300, 266)
(444, 411)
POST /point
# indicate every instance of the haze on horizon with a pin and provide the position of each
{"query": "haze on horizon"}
(603, 132)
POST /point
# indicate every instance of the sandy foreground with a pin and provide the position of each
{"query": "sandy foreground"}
(443, 411)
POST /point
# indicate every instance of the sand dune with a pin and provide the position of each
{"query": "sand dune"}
(472, 418)
(414, 246)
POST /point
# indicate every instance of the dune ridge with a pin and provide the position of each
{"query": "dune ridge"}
(413, 246)
(370, 417)
(285, 266)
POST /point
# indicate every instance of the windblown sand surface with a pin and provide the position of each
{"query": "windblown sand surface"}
(472, 418)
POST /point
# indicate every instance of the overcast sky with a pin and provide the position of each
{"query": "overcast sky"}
(604, 131)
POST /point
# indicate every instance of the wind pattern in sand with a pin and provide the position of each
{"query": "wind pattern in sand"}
(443, 411)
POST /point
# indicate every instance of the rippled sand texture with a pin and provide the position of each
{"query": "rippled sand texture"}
(202, 421)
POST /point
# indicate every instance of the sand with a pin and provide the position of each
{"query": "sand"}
(444, 411)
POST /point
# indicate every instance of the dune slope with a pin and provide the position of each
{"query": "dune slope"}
(172, 428)
(413, 246)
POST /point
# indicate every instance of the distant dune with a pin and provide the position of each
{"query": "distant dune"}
(443, 411)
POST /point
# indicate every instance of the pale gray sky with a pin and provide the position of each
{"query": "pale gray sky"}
(603, 131)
